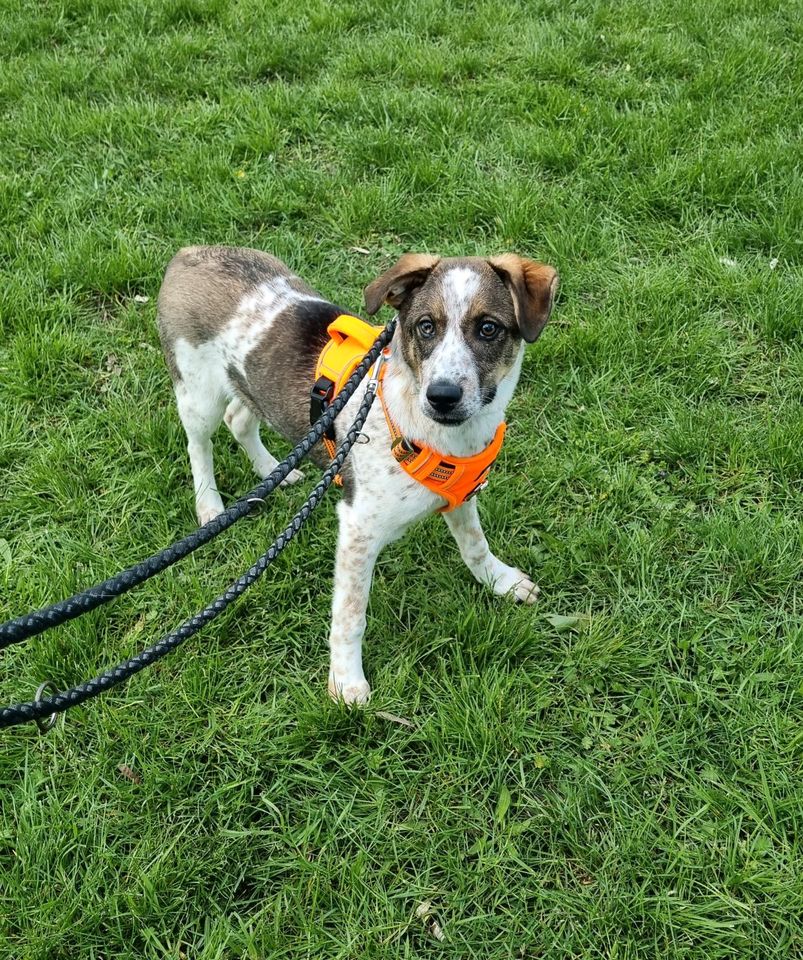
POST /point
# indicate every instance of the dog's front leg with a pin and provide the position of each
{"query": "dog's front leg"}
(464, 522)
(357, 549)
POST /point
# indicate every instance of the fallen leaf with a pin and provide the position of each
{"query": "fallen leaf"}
(129, 774)
(436, 930)
(363, 250)
(773, 263)
(423, 910)
(141, 298)
(113, 365)
(394, 719)
(562, 623)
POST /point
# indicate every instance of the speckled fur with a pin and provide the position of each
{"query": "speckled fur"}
(241, 335)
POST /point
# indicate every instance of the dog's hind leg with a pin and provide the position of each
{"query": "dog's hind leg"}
(244, 426)
(201, 415)
(464, 524)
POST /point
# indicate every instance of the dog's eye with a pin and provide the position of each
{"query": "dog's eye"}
(489, 330)
(426, 328)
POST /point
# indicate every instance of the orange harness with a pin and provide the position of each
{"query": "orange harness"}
(456, 479)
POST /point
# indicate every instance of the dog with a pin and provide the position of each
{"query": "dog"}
(242, 334)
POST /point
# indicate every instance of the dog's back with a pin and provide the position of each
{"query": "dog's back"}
(241, 335)
(237, 322)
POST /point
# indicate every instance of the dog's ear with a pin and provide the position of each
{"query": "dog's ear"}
(532, 286)
(396, 284)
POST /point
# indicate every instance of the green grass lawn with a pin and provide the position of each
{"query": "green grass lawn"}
(625, 783)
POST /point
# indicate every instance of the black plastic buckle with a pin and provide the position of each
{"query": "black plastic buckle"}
(478, 489)
(319, 399)
(482, 482)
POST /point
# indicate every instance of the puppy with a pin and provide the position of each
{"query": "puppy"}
(241, 335)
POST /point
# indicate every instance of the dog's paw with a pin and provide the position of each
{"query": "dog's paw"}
(293, 477)
(351, 692)
(208, 511)
(512, 582)
(525, 591)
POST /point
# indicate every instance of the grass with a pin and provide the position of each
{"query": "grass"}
(615, 773)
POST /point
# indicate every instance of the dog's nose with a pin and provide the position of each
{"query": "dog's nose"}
(443, 395)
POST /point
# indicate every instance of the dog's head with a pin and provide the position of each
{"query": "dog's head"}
(462, 322)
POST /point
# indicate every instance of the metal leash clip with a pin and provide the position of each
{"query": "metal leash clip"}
(373, 383)
(46, 724)
(478, 489)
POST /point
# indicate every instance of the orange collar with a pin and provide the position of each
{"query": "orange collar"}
(456, 479)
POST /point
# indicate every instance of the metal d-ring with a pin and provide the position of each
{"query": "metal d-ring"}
(362, 438)
(256, 511)
(46, 724)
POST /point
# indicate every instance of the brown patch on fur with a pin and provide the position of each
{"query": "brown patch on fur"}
(533, 287)
(475, 535)
(202, 289)
(280, 371)
(354, 607)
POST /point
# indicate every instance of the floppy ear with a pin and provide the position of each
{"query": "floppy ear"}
(533, 287)
(396, 284)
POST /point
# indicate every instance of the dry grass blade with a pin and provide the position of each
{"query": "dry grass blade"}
(392, 718)
(424, 912)
(128, 773)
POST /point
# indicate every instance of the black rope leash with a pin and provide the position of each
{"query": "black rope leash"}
(37, 621)
(48, 707)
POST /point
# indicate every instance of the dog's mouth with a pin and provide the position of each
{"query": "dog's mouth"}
(447, 419)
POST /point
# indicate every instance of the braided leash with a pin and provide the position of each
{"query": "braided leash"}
(37, 621)
(38, 709)
(44, 711)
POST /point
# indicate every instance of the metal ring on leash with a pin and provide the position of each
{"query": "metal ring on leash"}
(362, 438)
(256, 511)
(46, 724)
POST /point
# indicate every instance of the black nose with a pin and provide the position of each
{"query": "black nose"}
(443, 395)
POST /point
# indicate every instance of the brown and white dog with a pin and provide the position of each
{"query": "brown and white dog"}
(241, 334)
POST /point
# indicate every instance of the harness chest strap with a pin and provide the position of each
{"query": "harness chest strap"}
(456, 479)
